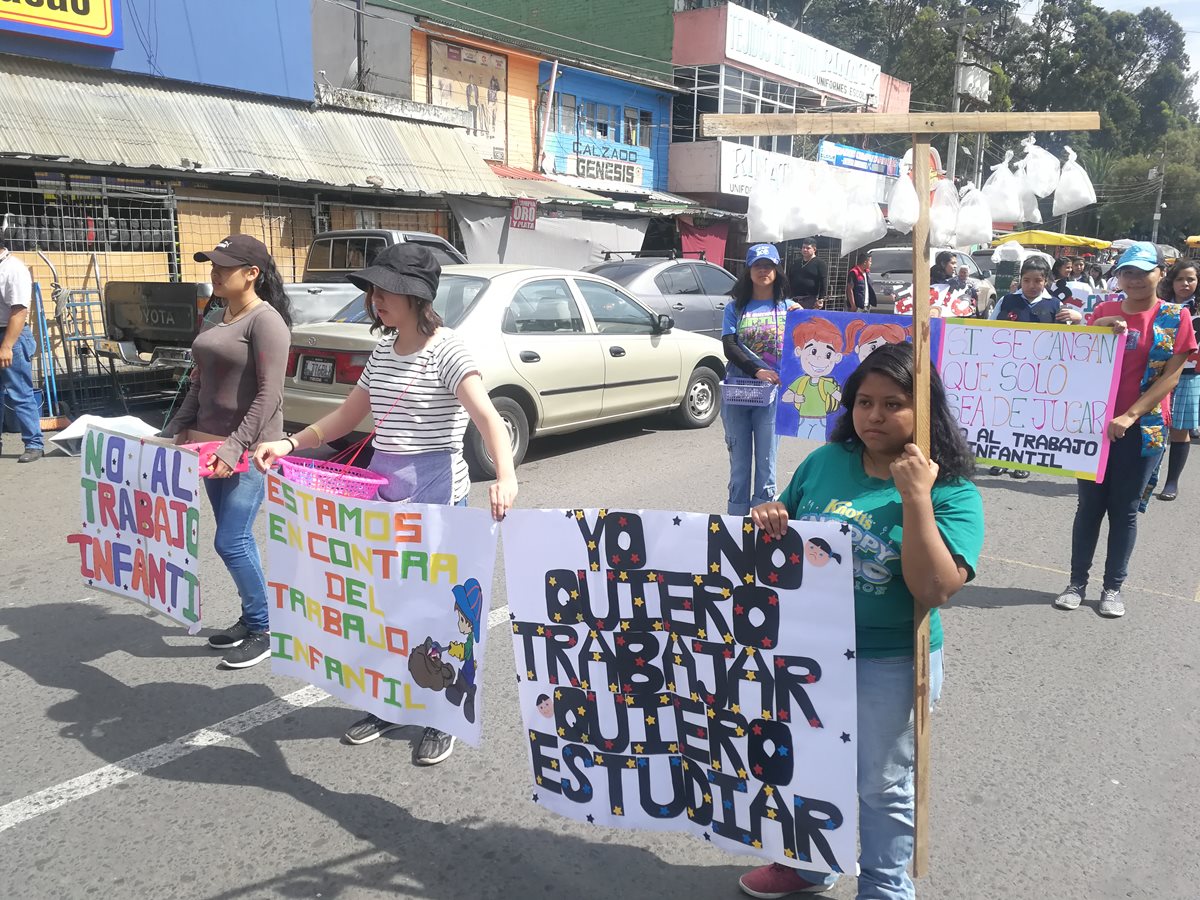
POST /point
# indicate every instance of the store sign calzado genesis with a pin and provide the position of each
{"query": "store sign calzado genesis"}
(94, 22)
(771, 47)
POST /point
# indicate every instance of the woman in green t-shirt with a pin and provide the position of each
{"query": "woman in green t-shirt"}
(916, 526)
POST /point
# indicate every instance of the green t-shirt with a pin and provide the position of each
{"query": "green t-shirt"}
(831, 486)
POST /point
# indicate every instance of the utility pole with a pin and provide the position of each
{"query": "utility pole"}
(1158, 207)
(956, 102)
(360, 46)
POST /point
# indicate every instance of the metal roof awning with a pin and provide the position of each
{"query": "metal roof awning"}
(55, 112)
(536, 186)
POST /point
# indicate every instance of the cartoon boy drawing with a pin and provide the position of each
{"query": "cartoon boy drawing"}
(819, 348)
(818, 552)
(545, 706)
(468, 604)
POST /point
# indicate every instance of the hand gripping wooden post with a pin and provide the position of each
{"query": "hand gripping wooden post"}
(922, 127)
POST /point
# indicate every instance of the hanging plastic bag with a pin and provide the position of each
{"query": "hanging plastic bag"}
(1003, 192)
(1030, 211)
(765, 211)
(829, 199)
(943, 214)
(1041, 168)
(1075, 189)
(974, 223)
(903, 205)
(863, 221)
(798, 204)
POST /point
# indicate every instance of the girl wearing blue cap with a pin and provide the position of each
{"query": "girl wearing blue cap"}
(752, 335)
(1159, 339)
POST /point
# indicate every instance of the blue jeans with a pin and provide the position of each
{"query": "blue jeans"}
(1117, 497)
(750, 437)
(16, 385)
(235, 501)
(886, 748)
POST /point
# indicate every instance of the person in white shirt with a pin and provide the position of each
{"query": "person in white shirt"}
(17, 349)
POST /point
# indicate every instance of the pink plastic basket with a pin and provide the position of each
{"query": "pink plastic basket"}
(207, 449)
(334, 478)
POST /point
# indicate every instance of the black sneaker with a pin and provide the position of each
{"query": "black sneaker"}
(30, 456)
(368, 728)
(250, 652)
(435, 746)
(229, 638)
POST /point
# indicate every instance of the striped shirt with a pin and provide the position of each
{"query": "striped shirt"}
(427, 416)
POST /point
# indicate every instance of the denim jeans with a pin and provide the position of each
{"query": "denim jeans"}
(235, 501)
(16, 385)
(750, 437)
(1117, 497)
(886, 749)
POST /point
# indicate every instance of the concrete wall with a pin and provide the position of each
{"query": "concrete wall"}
(262, 46)
(388, 55)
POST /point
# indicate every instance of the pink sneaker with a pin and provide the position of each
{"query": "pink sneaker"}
(775, 881)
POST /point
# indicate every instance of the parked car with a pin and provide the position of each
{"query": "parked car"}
(891, 272)
(559, 351)
(692, 292)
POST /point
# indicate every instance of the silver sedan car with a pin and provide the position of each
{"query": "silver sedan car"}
(558, 350)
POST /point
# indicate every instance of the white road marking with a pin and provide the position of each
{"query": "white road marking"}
(20, 811)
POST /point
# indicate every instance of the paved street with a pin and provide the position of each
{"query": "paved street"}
(1065, 747)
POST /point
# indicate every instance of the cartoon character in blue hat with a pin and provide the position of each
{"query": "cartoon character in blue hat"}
(468, 604)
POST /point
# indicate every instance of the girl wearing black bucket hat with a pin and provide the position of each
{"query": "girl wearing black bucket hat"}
(421, 387)
(236, 397)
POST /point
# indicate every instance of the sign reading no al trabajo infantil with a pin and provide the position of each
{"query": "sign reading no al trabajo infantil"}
(140, 522)
(682, 672)
(384, 605)
(1032, 396)
(94, 22)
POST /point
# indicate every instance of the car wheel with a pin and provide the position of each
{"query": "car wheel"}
(516, 423)
(700, 401)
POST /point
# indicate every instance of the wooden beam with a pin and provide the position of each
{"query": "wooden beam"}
(741, 124)
(923, 362)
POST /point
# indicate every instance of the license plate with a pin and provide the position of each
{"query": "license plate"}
(319, 370)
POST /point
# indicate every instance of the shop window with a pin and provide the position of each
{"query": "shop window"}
(645, 128)
(604, 126)
(629, 127)
(568, 114)
(589, 118)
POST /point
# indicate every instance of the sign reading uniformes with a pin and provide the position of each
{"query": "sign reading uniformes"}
(139, 534)
(1032, 396)
(684, 672)
(384, 605)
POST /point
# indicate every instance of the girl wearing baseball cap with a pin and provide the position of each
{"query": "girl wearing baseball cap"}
(1158, 340)
(421, 386)
(236, 397)
(752, 337)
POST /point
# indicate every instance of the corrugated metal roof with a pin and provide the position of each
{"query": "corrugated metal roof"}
(55, 111)
(534, 185)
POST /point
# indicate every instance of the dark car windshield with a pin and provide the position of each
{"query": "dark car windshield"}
(887, 260)
(620, 272)
(455, 297)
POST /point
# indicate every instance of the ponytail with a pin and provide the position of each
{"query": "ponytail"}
(269, 287)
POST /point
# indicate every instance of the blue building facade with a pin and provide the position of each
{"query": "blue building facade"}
(261, 46)
(605, 133)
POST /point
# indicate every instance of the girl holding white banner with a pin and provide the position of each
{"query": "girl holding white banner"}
(422, 386)
(1159, 339)
(916, 525)
(1185, 399)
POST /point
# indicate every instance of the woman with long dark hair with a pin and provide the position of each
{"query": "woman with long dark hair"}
(421, 386)
(1179, 286)
(752, 336)
(916, 526)
(236, 397)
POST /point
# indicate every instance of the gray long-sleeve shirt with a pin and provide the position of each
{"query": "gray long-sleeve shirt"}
(237, 383)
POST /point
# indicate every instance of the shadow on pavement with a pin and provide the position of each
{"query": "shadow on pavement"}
(1057, 487)
(465, 857)
(559, 444)
(998, 597)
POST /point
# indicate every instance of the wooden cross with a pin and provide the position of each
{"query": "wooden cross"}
(922, 127)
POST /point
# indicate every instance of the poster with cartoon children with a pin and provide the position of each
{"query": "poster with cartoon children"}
(820, 351)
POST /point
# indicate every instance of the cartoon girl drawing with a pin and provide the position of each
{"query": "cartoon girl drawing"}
(867, 338)
(819, 348)
(818, 552)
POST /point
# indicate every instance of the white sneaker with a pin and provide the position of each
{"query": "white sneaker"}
(1071, 597)
(1111, 605)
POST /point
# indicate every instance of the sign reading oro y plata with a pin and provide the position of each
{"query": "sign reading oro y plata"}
(94, 22)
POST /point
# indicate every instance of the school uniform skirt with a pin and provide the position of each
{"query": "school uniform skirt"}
(1185, 402)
